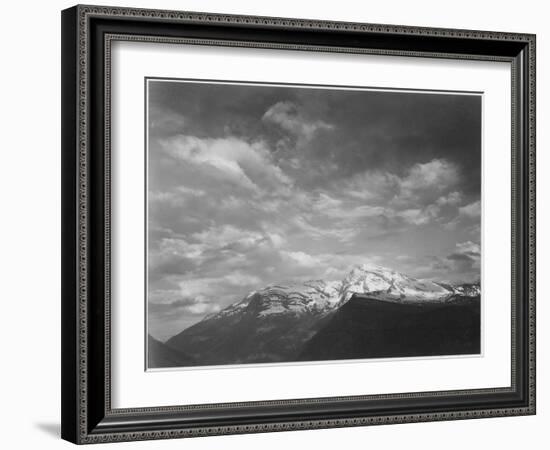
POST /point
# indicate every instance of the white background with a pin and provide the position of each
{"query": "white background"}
(30, 225)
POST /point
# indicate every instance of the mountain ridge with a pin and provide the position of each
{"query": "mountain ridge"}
(377, 281)
(280, 322)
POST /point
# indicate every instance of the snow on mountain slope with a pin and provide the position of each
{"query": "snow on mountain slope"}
(468, 290)
(319, 297)
(275, 323)
(387, 284)
(314, 296)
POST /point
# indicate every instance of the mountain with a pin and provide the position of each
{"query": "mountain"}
(160, 355)
(266, 326)
(371, 328)
(468, 289)
(310, 297)
(281, 322)
(387, 284)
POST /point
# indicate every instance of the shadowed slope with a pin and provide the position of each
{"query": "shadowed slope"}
(370, 328)
(161, 356)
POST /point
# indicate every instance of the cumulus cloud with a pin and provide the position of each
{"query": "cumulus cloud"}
(315, 232)
(438, 173)
(369, 204)
(372, 185)
(239, 161)
(249, 190)
(418, 216)
(170, 299)
(165, 122)
(168, 310)
(424, 194)
(463, 263)
(452, 199)
(472, 210)
(426, 181)
(469, 249)
(196, 287)
(175, 197)
(301, 258)
(228, 235)
(468, 218)
(290, 118)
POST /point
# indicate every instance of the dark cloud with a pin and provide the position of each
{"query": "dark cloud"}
(463, 264)
(251, 185)
(389, 131)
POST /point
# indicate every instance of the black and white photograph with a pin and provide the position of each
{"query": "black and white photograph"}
(298, 223)
(280, 219)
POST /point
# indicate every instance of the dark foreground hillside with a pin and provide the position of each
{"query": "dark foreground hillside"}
(369, 328)
(360, 329)
(160, 355)
(248, 337)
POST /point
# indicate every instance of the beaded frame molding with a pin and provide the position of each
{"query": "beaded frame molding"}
(87, 35)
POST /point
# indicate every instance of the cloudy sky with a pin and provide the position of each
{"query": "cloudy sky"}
(253, 184)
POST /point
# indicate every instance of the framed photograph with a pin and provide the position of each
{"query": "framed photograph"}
(278, 224)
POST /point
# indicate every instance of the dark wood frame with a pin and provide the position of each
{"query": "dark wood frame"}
(87, 32)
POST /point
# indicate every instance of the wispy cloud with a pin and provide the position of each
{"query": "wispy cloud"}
(462, 264)
(292, 119)
(247, 190)
(234, 159)
(472, 210)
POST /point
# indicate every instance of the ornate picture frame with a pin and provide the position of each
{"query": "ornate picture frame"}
(88, 414)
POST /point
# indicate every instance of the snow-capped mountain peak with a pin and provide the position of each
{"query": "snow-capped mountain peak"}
(296, 298)
(388, 284)
(319, 297)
